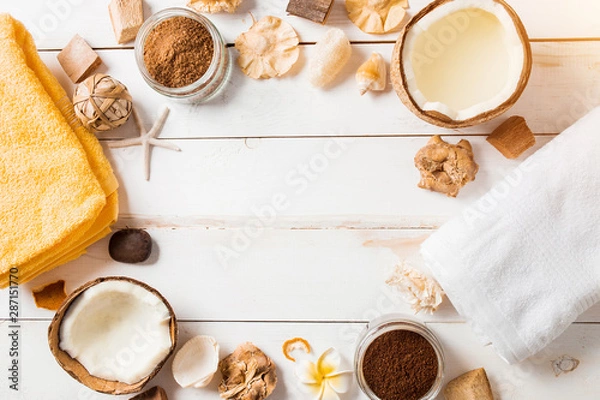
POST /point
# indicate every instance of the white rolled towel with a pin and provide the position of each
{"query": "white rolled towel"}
(523, 262)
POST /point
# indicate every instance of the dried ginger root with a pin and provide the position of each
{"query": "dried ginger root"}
(248, 374)
(421, 291)
(50, 296)
(214, 6)
(269, 48)
(444, 167)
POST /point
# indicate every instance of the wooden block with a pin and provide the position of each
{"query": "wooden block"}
(78, 59)
(127, 16)
(512, 138)
(314, 10)
(155, 393)
(473, 385)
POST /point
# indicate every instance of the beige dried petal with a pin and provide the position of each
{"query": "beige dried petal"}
(421, 291)
(269, 48)
(214, 6)
(377, 16)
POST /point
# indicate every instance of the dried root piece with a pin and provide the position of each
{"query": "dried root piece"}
(512, 138)
(421, 291)
(372, 74)
(214, 6)
(473, 385)
(248, 374)
(50, 296)
(291, 345)
(376, 16)
(332, 52)
(268, 49)
(445, 167)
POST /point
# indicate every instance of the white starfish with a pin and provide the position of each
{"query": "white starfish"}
(147, 139)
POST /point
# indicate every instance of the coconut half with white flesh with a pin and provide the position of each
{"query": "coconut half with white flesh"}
(459, 63)
(113, 334)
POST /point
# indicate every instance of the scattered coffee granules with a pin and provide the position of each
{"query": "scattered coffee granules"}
(178, 51)
(400, 365)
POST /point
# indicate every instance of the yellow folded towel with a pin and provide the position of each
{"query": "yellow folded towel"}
(57, 189)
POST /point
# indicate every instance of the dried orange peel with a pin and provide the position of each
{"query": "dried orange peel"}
(294, 344)
(50, 296)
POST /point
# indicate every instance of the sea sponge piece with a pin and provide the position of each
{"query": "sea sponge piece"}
(331, 53)
(269, 48)
(473, 385)
(377, 16)
(512, 138)
(248, 374)
(445, 167)
(50, 296)
(214, 6)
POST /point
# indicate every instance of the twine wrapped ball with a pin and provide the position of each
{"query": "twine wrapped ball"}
(102, 103)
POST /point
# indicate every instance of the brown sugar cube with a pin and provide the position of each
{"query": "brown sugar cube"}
(127, 16)
(512, 138)
(50, 296)
(155, 393)
(473, 385)
(78, 59)
(314, 10)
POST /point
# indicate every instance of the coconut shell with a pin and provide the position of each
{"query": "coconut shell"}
(433, 117)
(77, 370)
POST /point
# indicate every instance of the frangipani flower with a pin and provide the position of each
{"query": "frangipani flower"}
(324, 377)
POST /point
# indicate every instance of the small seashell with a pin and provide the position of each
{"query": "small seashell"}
(196, 362)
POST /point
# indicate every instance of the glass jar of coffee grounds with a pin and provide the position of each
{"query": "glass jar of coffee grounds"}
(181, 54)
(398, 358)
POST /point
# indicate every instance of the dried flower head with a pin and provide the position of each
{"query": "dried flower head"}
(420, 290)
(214, 6)
(268, 49)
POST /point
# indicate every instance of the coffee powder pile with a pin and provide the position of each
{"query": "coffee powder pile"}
(178, 51)
(400, 365)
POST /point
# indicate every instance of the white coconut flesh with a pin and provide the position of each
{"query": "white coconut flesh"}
(117, 330)
(463, 58)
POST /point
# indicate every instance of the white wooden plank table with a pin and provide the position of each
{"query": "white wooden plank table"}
(316, 266)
